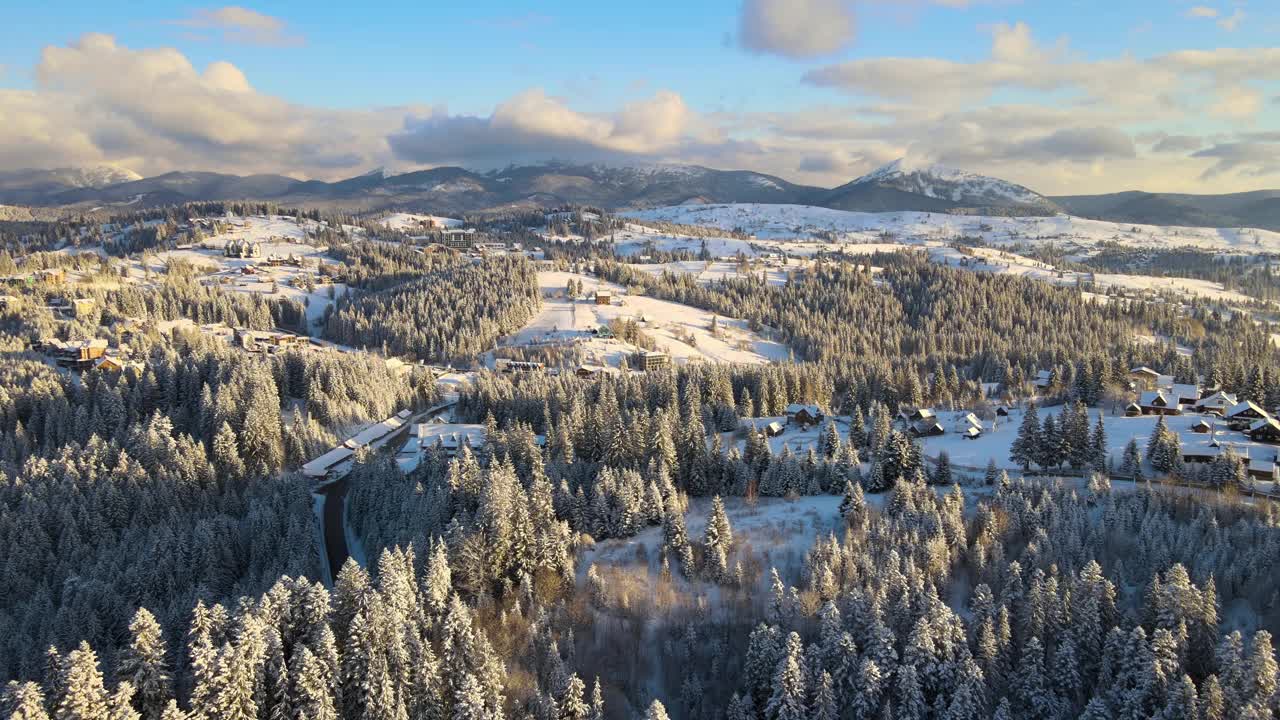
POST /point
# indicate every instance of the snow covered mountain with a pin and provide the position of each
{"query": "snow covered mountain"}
(902, 186)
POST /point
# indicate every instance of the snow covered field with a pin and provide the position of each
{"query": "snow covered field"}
(410, 223)
(802, 221)
(679, 330)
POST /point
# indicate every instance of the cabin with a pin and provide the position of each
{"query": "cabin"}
(1217, 404)
(972, 433)
(1266, 430)
(804, 415)
(966, 422)
(1244, 414)
(1262, 469)
(1144, 377)
(927, 428)
(1003, 411)
(1185, 394)
(1202, 427)
(774, 429)
(911, 416)
(588, 370)
(1044, 378)
(81, 307)
(106, 363)
(1201, 452)
(1158, 403)
(604, 297)
(1133, 409)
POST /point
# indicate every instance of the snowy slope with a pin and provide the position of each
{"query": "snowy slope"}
(958, 186)
(783, 222)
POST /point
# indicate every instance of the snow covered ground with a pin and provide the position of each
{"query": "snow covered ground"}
(410, 223)
(802, 221)
(679, 330)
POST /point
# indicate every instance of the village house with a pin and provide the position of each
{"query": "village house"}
(604, 297)
(1263, 469)
(1133, 409)
(927, 428)
(1183, 393)
(1201, 451)
(804, 415)
(1266, 430)
(966, 423)
(1217, 404)
(1156, 402)
(1202, 427)
(774, 429)
(1244, 414)
(242, 249)
(910, 415)
(1043, 379)
(1144, 377)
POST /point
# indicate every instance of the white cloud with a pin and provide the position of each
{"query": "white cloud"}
(535, 126)
(800, 29)
(237, 24)
(1200, 11)
(1072, 130)
(1232, 21)
(98, 101)
(796, 28)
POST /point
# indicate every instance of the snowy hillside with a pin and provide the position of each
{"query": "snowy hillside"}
(958, 186)
(1067, 232)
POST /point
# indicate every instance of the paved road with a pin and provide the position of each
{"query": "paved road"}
(335, 496)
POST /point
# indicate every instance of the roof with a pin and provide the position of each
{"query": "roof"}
(1148, 399)
(1265, 422)
(1245, 406)
(973, 432)
(795, 408)
(925, 426)
(1262, 464)
(1219, 399)
(773, 426)
(1144, 370)
(321, 465)
(1185, 390)
(969, 418)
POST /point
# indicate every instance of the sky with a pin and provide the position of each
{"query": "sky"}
(1065, 97)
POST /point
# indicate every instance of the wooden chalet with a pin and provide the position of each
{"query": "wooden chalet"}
(1266, 430)
(1245, 414)
(1143, 376)
(804, 415)
(927, 428)
(1217, 404)
(1202, 427)
(1158, 403)
(773, 429)
(1263, 469)
(1133, 409)
(914, 415)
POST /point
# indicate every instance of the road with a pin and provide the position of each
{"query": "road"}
(333, 526)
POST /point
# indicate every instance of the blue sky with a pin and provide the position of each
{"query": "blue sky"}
(1064, 96)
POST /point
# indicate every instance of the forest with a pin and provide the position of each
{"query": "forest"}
(164, 556)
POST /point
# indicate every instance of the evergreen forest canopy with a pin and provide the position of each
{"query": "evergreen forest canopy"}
(164, 561)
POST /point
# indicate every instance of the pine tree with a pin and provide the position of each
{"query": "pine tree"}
(853, 506)
(788, 699)
(1026, 447)
(23, 702)
(824, 700)
(143, 664)
(656, 711)
(84, 695)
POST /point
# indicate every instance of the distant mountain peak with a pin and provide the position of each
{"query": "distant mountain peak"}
(951, 185)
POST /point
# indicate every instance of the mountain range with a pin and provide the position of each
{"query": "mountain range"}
(896, 187)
